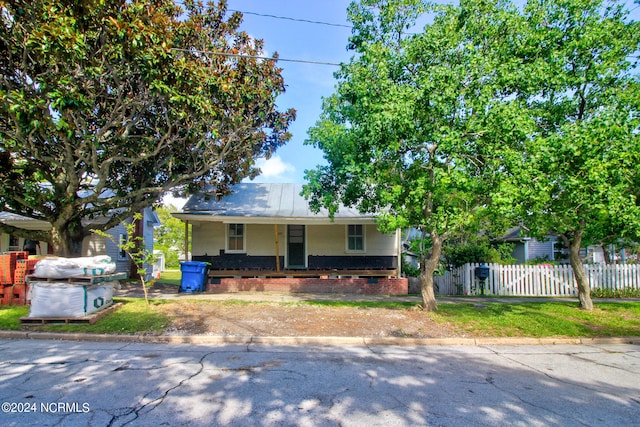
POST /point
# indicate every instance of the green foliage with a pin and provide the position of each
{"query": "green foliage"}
(540, 260)
(579, 177)
(169, 236)
(417, 127)
(105, 106)
(615, 293)
(524, 114)
(134, 247)
(479, 251)
(409, 270)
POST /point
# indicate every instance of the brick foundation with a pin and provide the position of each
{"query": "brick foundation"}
(384, 286)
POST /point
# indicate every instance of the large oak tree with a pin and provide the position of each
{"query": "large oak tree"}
(106, 105)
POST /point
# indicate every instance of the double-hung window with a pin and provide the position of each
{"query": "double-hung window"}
(355, 238)
(235, 238)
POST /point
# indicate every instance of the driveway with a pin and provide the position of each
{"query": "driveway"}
(47, 382)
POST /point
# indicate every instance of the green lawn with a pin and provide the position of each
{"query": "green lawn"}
(171, 276)
(133, 317)
(546, 319)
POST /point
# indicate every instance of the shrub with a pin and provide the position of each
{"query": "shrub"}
(615, 293)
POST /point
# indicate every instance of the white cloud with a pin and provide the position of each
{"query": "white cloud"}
(177, 202)
(274, 167)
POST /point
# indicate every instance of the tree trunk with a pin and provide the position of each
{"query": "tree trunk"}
(67, 241)
(584, 292)
(427, 268)
(137, 239)
(605, 253)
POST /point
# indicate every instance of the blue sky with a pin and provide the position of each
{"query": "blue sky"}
(306, 84)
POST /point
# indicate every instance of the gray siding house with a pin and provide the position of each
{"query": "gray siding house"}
(92, 245)
(529, 248)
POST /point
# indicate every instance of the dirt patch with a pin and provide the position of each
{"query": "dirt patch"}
(233, 318)
(297, 319)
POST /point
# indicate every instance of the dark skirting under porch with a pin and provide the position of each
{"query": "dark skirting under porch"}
(226, 261)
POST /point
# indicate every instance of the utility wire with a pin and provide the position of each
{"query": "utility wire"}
(269, 58)
(292, 19)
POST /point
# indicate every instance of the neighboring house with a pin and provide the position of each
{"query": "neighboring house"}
(10, 243)
(92, 245)
(527, 249)
(551, 249)
(243, 234)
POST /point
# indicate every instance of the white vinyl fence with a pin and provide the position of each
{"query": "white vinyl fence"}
(535, 280)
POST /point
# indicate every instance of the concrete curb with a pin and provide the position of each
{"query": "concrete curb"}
(366, 341)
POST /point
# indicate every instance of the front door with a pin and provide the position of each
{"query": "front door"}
(295, 246)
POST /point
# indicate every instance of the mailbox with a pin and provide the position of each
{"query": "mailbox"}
(482, 273)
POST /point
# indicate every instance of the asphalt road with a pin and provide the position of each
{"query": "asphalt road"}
(67, 383)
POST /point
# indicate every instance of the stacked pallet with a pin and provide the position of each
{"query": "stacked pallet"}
(71, 288)
(74, 297)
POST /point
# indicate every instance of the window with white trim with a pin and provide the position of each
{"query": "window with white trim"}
(355, 238)
(122, 241)
(235, 238)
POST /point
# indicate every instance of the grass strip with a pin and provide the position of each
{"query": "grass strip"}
(498, 319)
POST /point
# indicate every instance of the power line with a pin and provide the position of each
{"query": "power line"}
(269, 58)
(292, 19)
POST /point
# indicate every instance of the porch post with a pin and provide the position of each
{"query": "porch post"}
(186, 240)
(399, 246)
(277, 249)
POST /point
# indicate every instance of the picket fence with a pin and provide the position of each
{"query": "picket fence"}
(535, 280)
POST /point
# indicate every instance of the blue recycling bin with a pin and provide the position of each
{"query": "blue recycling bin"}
(193, 276)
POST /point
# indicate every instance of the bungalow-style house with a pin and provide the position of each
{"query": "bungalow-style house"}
(265, 237)
(92, 245)
(527, 249)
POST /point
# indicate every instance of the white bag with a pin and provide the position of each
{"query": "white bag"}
(63, 268)
(55, 299)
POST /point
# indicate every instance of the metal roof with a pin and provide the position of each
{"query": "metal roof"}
(24, 222)
(259, 201)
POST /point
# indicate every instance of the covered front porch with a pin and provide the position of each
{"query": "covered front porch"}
(345, 274)
(265, 237)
